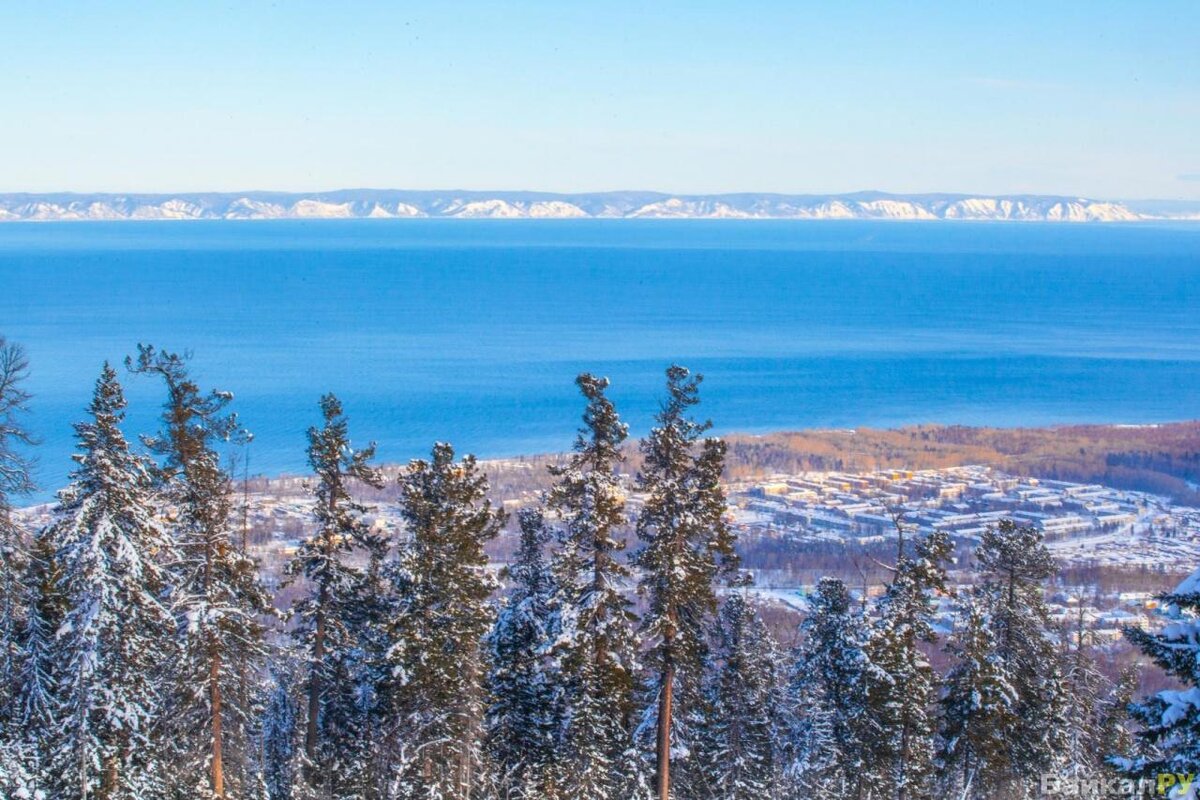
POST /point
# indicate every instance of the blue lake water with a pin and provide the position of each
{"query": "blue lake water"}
(472, 331)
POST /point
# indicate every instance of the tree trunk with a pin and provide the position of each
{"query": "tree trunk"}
(314, 689)
(218, 765)
(665, 699)
(108, 785)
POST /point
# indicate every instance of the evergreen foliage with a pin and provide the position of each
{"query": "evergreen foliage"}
(279, 733)
(595, 649)
(16, 479)
(435, 663)
(826, 725)
(1169, 721)
(979, 715)
(116, 630)
(219, 599)
(902, 691)
(36, 708)
(335, 724)
(739, 730)
(1014, 565)
(523, 717)
(140, 663)
(687, 548)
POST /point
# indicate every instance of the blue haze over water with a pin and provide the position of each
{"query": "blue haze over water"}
(472, 331)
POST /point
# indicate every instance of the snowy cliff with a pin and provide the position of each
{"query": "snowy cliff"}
(367, 203)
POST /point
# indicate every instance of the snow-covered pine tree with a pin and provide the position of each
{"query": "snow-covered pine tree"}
(117, 630)
(435, 698)
(978, 710)
(220, 602)
(19, 775)
(902, 690)
(1086, 691)
(1014, 564)
(739, 747)
(333, 745)
(367, 671)
(687, 546)
(825, 719)
(1169, 732)
(596, 648)
(15, 479)
(1115, 734)
(279, 734)
(35, 713)
(522, 722)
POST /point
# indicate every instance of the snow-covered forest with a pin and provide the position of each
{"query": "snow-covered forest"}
(617, 656)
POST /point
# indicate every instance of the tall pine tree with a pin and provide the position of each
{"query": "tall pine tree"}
(687, 547)
(441, 613)
(903, 687)
(333, 732)
(220, 602)
(1014, 564)
(596, 647)
(117, 630)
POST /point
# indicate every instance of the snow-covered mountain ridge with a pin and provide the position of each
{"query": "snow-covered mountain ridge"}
(371, 203)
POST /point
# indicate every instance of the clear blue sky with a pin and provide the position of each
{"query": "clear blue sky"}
(1097, 98)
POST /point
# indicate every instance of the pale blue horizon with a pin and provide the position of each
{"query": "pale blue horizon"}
(1097, 99)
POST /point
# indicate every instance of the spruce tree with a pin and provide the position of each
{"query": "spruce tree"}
(435, 695)
(522, 724)
(825, 722)
(1014, 564)
(117, 630)
(739, 748)
(902, 690)
(687, 547)
(978, 710)
(220, 602)
(15, 479)
(595, 647)
(333, 745)
(1168, 736)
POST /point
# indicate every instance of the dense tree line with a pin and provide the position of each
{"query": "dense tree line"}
(143, 657)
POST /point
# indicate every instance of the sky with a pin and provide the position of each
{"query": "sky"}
(1098, 99)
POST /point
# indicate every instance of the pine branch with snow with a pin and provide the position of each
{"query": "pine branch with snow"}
(107, 652)
(1169, 721)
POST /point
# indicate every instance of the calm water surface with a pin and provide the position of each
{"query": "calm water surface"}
(472, 331)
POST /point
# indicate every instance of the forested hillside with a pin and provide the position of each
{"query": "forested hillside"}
(1162, 459)
(145, 657)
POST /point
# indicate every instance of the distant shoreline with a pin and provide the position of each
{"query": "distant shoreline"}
(1155, 457)
(405, 204)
